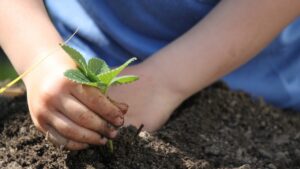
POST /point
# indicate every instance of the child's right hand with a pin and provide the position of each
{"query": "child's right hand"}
(71, 115)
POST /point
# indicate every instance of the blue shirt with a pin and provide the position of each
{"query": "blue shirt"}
(117, 30)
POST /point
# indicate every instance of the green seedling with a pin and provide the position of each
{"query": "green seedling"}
(97, 73)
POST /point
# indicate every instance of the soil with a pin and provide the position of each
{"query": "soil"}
(216, 128)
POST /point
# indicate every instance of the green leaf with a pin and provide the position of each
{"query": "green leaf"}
(124, 80)
(78, 77)
(98, 66)
(77, 57)
(107, 77)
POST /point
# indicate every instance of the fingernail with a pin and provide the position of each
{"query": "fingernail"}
(119, 121)
(123, 107)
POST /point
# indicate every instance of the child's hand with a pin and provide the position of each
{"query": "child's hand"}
(71, 115)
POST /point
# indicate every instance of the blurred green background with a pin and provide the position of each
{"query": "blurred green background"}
(6, 69)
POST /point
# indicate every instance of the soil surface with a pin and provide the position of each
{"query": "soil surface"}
(216, 128)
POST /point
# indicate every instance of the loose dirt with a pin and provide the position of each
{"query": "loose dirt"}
(216, 128)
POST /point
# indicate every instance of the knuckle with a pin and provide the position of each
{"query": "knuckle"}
(91, 121)
(84, 117)
(94, 91)
(62, 84)
(83, 136)
(68, 131)
(49, 91)
(96, 101)
(47, 98)
(40, 116)
(74, 134)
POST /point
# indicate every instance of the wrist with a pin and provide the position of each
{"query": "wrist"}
(166, 91)
(48, 66)
(167, 81)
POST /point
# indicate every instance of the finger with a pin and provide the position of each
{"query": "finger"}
(58, 140)
(73, 145)
(122, 106)
(72, 131)
(84, 117)
(99, 104)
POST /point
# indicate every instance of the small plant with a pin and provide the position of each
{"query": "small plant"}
(96, 73)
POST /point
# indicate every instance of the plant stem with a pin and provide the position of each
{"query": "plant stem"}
(110, 146)
(109, 142)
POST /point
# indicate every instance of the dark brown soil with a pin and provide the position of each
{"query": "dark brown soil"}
(216, 128)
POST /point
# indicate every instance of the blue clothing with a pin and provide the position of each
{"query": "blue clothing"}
(116, 30)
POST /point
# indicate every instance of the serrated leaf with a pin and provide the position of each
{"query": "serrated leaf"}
(107, 77)
(123, 80)
(77, 57)
(98, 66)
(78, 77)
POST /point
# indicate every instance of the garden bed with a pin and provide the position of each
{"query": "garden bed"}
(216, 128)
